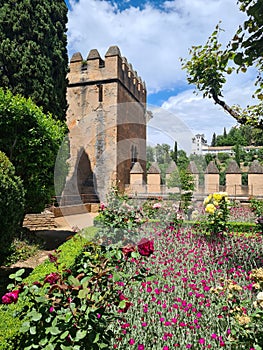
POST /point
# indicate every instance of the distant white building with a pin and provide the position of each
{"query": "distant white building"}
(198, 144)
(200, 147)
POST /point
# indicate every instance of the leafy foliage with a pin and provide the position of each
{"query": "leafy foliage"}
(31, 140)
(69, 251)
(11, 204)
(33, 52)
(73, 309)
(244, 135)
(209, 64)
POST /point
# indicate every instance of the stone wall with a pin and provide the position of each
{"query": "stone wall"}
(44, 221)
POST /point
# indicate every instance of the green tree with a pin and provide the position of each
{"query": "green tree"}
(213, 143)
(237, 153)
(182, 159)
(31, 141)
(185, 181)
(174, 153)
(209, 157)
(33, 52)
(163, 153)
(209, 64)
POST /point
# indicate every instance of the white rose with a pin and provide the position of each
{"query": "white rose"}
(260, 296)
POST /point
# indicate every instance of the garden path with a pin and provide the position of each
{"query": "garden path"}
(66, 226)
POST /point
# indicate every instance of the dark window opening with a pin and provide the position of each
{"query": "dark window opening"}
(134, 155)
(100, 87)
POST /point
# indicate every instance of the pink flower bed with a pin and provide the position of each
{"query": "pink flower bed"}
(195, 293)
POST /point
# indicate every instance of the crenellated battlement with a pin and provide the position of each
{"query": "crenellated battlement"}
(114, 67)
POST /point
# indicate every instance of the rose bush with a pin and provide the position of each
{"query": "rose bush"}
(217, 207)
(72, 309)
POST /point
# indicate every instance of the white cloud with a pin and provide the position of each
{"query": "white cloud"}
(202, 115)
(153, 39)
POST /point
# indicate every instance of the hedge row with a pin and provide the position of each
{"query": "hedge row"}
(69, 251)
(232, 226)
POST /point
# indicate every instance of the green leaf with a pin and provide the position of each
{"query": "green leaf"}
(135, 254)
(74, 281)
(54, 330)
(119, 255)
(81, 334)
(35, 316)
(116, 277)
(25, 327)
(122, 304)
(33, 330)
(43, 341)
(64, 335)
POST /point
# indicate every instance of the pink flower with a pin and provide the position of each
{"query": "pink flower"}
(10, 297)
(140, 347)
(145, 247)
(201, 341)
(131, 341)
(102, 206)
(128, 249)
(157, 205)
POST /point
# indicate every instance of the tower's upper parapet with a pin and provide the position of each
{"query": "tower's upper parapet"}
(114, 67)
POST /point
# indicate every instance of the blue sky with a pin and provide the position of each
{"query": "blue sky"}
(153, 35)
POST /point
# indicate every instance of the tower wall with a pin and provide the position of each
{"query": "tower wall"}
(106, 118)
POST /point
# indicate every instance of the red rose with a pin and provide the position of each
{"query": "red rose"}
(128, 249)
(52, 278)
(11, 297)
(145, 247)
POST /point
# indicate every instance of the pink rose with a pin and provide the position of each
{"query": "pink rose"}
(10, 297)
(128, 249)
(145, 247)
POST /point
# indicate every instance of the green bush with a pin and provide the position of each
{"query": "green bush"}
(31, 141)
(11, 204)
(69, 251)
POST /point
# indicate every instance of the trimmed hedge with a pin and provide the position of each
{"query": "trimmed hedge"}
(69, 251)
(232, 226)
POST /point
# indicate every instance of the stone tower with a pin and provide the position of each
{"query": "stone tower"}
(106, 119)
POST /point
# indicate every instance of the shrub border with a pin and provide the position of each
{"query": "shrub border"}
(69, 251)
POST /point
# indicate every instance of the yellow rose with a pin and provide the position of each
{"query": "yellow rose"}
(210, 208)
(207, 199)
(217, 196)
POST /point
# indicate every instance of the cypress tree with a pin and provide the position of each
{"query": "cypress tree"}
(213, 143)
(174, 153)
(33, 51)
